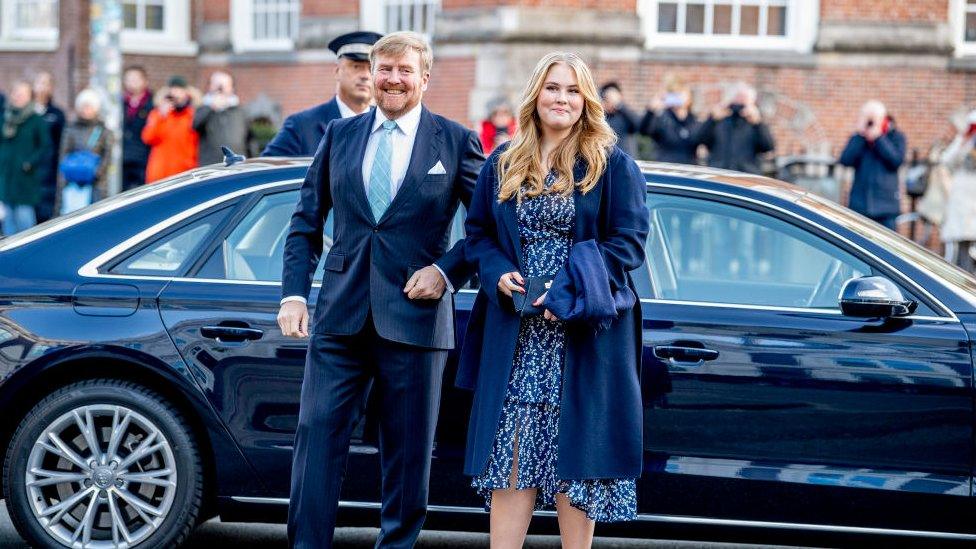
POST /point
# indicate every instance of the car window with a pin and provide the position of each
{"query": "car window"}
(254, 249)
(705, 251)
(171, 253)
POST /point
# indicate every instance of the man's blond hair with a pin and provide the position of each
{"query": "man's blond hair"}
(398, 43)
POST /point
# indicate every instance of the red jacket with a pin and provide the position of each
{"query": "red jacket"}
(173, 143)
(488, 134)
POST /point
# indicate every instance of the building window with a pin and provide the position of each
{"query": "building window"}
(144, 15)
(730, 24)
(964, 24)
(385, 16)
(157, 27)
(29, 24)
(265, 25)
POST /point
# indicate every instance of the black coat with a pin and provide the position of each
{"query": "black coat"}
(875, 191)
(735, 144)
(625, 124)
(134, 150)
(302, 131)
(370, 261)
(54, 117)
(676, 140)
(600, 420)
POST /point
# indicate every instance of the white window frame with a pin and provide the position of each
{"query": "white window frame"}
(13, 38)
(172, 40)
(957, 19)
(802, 18)
(242, 30)
(372, 13)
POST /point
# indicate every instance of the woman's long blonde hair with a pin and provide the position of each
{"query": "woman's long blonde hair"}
(521, 169)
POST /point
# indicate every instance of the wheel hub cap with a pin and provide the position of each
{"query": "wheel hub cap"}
(103, 477)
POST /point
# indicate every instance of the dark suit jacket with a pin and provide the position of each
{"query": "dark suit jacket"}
(370, 262)
(302, 131)
(600, 419)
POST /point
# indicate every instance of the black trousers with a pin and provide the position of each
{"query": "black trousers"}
(338, 371)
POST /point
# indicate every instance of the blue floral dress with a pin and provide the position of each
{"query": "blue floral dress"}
(529, 425)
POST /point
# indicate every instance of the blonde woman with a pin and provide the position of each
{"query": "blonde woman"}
(556, 420)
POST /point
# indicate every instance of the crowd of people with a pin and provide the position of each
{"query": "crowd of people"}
(940, 186)
(52, 164)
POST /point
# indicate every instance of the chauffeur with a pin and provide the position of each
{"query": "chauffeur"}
(302, 131)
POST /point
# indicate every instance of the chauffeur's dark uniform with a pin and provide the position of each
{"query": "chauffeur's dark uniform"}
(302, 131)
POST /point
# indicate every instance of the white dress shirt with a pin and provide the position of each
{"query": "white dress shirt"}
(345, 111)
(403, 137)
(402, 147)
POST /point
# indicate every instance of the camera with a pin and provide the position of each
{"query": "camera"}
(673, 99)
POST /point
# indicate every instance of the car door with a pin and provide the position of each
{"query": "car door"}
(223, 318)
(764, 402)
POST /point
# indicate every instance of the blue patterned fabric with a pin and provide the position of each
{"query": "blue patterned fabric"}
(381, 172)
(529, 424)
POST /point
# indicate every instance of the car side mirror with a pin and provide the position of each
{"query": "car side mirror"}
(874, 297)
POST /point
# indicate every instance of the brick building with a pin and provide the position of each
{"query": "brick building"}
(813, 61)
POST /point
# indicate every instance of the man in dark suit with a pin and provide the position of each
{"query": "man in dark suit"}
(302, 131)
(393, 179)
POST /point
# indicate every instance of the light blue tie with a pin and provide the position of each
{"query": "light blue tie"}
(381, 174)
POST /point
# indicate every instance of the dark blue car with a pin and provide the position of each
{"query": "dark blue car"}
(804, 369)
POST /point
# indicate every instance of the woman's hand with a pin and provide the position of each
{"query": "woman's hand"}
(511, 282)
(547, 314)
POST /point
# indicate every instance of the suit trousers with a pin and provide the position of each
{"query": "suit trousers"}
(338, 372)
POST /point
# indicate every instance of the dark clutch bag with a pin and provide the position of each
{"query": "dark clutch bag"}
(535, 286)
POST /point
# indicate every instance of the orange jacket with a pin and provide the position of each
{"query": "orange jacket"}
(173, 143)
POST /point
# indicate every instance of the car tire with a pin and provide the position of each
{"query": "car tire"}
(104, 460)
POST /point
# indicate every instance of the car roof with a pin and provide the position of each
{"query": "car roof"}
(657, 172)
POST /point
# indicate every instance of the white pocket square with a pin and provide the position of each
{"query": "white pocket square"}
(437, 169)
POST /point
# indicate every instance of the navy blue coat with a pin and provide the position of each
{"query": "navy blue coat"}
(875, 191)
(600, 423)
(371, 261)
(302, 131)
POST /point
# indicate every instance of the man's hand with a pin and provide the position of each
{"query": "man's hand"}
(218, 102)
(751, 114)
(657, 104)
(427, 283)
(293, 319)
(720, 112)
(164, 107)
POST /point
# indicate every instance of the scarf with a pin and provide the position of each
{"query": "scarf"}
(581, 290)
(14, 117)
(133, 104)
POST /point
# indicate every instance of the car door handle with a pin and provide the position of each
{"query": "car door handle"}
(684, 354)
(230, 333)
